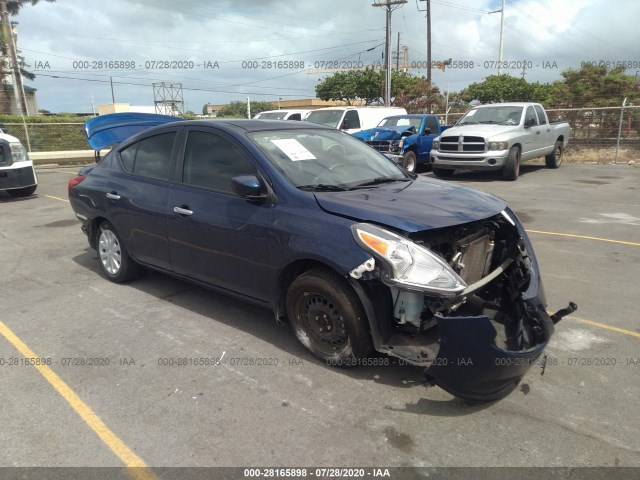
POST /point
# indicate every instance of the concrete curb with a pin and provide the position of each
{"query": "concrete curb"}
(69, 157)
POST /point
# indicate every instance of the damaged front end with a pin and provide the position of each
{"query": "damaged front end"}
(466, 302)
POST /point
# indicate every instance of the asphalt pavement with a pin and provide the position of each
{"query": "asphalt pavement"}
(168, 374)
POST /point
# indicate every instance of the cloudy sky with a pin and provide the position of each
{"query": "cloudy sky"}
(224, 50)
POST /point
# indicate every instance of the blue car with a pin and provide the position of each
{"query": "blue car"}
(356, 253)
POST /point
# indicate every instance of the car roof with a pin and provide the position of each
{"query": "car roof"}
(251, 125)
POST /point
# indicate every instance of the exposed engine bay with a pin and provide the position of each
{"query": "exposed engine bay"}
(497, 314)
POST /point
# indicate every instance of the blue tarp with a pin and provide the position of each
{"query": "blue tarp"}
(112, 129)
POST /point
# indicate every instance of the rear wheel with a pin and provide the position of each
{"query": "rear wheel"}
(328, 318)
(115, 262)
(511, 168)
(22, 192)
(554, 159)
(409, 161)
(442, 172)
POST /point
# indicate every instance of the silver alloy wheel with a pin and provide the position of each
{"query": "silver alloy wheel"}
(110, 253)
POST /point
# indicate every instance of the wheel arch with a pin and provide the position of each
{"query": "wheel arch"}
(287, 275)
(93, 227)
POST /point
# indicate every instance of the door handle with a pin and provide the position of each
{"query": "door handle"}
(182, 211)
(112, 196)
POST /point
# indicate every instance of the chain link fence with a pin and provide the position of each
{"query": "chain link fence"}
(49, 137)
(596, 133)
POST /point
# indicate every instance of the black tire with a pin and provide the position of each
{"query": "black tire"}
(22, 192)
(554, 159)
(442, 172)
(410, 161)
(328, 318)
(115, 262)
(511, 169)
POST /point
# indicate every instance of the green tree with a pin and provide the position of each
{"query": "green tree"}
(367, 86)
(500, 88)
(351, 86)
(594, 86)
(238, 109)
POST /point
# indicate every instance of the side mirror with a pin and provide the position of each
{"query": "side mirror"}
(529, 122)
(346, 125)
(426, 131)
(247, 186)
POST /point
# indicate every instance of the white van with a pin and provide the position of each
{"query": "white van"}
(352, 119)
(282, 114)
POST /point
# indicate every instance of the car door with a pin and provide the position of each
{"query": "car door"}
(547, 141)
(216, 236)
(136, 199)
(426, 139)
(534, 138)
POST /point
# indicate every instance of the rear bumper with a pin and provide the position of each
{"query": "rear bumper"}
(17, 176)
(493, 160)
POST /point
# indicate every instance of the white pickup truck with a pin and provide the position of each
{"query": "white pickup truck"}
(498, 137)
(17, 175)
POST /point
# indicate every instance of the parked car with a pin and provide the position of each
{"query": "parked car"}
(352, 119)
(405, 138)
(17, 176)
(355, 252)
(282, 114)
(498, 137)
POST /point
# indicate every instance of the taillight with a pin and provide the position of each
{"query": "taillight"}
(73, 182)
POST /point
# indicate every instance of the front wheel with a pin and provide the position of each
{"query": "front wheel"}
(554, 159)
(328, 318)
(22, 192)
(511, 169)
(409, 161)
(442, 172)
(115, 261)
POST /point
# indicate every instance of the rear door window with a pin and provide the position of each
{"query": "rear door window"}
(541, 116)
(150, 157)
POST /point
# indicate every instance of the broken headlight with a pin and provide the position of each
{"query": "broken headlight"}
(408, 265)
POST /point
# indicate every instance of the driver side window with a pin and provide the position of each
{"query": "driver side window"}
(211, 161)
(351, 120)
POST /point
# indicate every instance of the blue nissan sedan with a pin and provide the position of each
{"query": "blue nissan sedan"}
(354, 252)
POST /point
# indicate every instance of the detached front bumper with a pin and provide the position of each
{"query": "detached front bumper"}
(470, 365)
(17, 176)
(492, 160)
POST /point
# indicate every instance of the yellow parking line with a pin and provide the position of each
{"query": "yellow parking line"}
(605, 326)
(138, 469)
(635, 244)
(57, 198)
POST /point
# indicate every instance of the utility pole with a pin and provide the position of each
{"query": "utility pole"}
(9, 43)
(398, 54)
(501, 36)
(113, 98)
(428, 39)
(388, 4)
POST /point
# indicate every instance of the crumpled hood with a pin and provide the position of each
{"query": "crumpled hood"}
(379, 134)
(487, 130)
(422, 204)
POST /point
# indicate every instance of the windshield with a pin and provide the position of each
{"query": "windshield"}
(328, 118)
(326, 159)
(272, 115)
(505, 115)
(401, 122)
